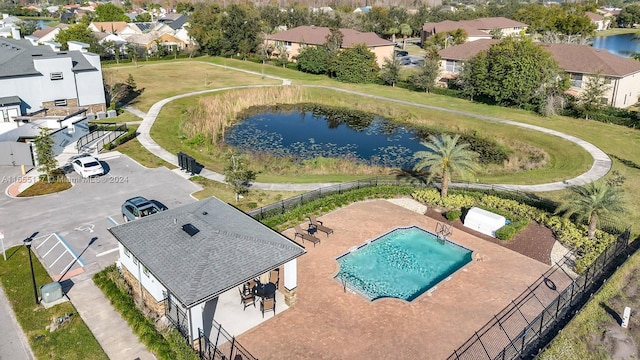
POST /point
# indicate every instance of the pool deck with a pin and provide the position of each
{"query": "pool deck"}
(328, 323)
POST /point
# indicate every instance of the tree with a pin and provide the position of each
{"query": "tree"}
(314, 60)
(184, 7)
(144, 17)
(237, 173)
(405, 30)
(356, 64)
(110, 12)
(45, 156)
(426, 75)
(593, 202)
(512, 73)
(444, 158)
(81, 33)
(205, 27)
(458, 36)
(333, 43)
(390, 72)
(590, 99)
(239, 35)
(629, 15)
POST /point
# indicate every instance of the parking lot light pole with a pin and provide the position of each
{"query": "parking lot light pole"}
(27, 243)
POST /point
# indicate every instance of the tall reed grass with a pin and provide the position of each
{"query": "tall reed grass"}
(213, 115)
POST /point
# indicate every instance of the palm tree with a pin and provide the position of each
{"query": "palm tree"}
(445, 157)
(405, 30)
(593, 201)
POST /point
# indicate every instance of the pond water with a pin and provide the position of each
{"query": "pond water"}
(305, 135)
(621, 45)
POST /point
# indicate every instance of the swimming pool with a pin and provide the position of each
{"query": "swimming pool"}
(403, 263)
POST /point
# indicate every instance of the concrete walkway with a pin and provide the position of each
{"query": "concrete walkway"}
(601, 164)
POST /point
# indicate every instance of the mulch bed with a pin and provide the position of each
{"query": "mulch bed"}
(534, 241)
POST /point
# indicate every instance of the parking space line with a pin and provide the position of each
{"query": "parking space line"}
(70, 250)
(45, 240)
(67, 267)
(107, 252)
(112, 221)
(50, 250)
(61, 255)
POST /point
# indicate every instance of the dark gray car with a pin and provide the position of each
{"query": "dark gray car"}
(138, 207)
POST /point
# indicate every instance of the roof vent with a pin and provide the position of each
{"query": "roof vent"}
(190, 229)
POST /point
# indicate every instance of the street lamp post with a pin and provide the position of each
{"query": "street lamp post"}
(27, 243)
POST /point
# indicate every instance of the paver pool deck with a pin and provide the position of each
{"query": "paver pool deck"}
(328, 323)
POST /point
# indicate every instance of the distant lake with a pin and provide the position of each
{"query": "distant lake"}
(622, 45)
(305, 135)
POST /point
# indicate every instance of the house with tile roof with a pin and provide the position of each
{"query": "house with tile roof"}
(60, 81)
(48, 33)
(582, 63)
(476, 29)
(293, 40)
(112, 27)
(191, 259)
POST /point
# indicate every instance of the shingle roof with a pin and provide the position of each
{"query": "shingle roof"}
(586, 59)
(574, 58)
(42, 32)
(317, 35)
(230, 248)
(467, 50)
(594, 16)
(473, 27)
(16, 58)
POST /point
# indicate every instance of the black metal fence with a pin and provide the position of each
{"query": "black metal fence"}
(519, 330)
(104, 133)
(223, 347)
(176, 316)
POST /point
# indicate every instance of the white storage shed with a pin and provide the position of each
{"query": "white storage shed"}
(484, 221)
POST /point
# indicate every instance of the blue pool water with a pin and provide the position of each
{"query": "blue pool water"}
(403, 264)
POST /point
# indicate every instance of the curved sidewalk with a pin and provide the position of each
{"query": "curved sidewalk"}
(601, 164)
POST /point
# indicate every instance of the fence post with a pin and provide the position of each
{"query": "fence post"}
(233, 343)
(200, 336)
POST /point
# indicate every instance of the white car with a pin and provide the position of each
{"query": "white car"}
(87, 166)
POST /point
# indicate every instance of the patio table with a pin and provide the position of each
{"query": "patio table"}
(265, 290)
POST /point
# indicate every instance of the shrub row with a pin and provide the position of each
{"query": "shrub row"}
(166, 345)
(131, 133)
(570, 235)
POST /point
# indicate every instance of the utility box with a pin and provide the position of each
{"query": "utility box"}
(51, 292)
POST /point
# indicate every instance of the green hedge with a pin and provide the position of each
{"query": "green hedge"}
(453, 215)
(167, 345)
(131, 133)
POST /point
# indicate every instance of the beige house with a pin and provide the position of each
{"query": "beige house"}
(601, 22)
(476, 29)
(581, 62)
(293, 40)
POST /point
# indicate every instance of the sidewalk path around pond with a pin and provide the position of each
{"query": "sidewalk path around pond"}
(601, 164)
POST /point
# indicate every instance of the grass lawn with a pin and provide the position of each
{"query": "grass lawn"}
(44, 188)
(617, 31)
(160, 80)
(71, 341)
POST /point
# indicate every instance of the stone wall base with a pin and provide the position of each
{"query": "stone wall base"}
(157, 307)
(290, 296)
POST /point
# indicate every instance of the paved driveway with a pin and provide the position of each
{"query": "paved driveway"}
(70, 228)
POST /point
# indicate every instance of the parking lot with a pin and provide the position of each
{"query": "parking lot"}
(69, 229)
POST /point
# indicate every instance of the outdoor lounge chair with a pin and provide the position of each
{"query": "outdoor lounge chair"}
(247, 299)
(305, 236)
(319, 226)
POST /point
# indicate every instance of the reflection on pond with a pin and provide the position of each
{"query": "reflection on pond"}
(307, 134)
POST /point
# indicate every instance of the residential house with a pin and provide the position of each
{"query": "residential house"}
(112, 27)
(60, 81)
(476, 29)
(187, 262)
(582, 62)
(150, 41)
(600, 22)
(293, 40)
(48, 33)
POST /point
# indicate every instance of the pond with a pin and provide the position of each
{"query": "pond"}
(621, 45)
(307, 135)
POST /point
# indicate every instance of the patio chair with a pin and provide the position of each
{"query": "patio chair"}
(247, 299)
(274, 277)
(305, 236)
(319, 225)
(268, 304)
